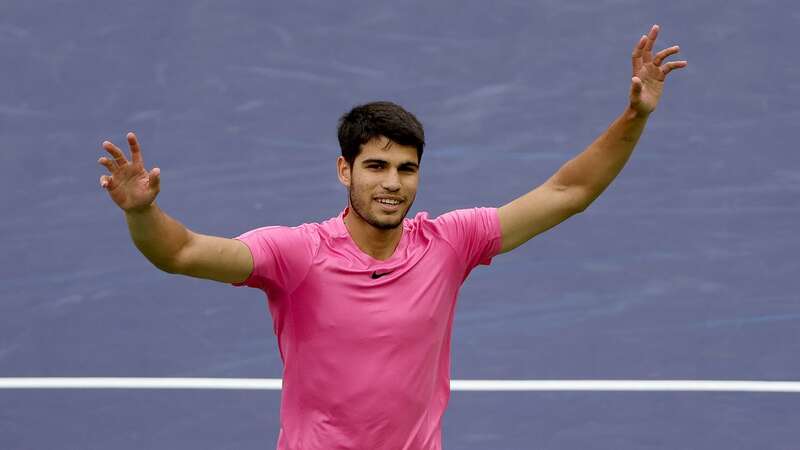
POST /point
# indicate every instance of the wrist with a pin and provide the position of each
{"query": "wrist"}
(141, 210)
(632, 113)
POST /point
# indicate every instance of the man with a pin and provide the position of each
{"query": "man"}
(363, 303)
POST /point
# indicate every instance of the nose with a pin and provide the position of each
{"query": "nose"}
(392, 181)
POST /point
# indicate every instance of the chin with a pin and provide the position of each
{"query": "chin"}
(389, 223)
(386, 224)
(372, 214)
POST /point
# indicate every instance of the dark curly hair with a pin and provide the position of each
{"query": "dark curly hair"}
(371, 120)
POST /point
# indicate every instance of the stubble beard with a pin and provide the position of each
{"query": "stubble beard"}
(363, 211)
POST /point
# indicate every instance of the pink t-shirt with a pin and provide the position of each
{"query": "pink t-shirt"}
(366, 343)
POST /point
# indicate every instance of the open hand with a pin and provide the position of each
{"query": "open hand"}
(649, 72)
(129, 185)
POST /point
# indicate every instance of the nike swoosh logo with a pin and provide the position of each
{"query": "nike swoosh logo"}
(376, 275)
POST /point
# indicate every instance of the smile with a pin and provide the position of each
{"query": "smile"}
(389, 205)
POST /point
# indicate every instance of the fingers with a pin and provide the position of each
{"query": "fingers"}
(636, 56)
(105, 162)
(667, 68)
(107, 182)
(636, 89)
(113, 165)
(155, 179)
(119, 157)
(136, 153)
(660, 56)
(643, 54)
(637, 84)
(647, 54)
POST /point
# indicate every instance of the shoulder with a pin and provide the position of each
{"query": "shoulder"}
(458, 218)
(423, 218)
(420, 223)
(303, 230)
(453, 222)
(306, 236)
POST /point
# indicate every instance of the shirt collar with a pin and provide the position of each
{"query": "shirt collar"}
(338, 223)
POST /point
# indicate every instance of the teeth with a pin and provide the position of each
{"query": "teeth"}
(389, 202)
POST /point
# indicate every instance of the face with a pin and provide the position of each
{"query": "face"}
(382, 183)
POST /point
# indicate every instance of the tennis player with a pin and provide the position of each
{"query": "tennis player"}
(363, 303)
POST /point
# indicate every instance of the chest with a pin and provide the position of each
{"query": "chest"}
(411, 299)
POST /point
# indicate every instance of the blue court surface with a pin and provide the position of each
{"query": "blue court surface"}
(686, 268)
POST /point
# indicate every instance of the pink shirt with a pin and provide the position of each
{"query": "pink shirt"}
(366, 343)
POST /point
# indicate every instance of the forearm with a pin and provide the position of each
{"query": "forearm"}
(593, 170)
(158, 236)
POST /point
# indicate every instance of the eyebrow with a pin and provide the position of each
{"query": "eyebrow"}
(381, 161)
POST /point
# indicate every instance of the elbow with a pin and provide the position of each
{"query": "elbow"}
(580, 208)
(168, 269)
(583, 204)
(166, 266)
(580, 199)
(171, 268)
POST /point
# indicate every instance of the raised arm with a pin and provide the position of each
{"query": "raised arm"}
(164, 241)
(582, 179)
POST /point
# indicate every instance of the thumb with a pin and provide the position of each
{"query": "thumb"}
(636, 89)
(154, 177)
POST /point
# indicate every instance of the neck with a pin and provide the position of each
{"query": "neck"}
(377, 243)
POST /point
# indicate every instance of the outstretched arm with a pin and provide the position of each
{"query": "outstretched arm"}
(164, 241)
(582, 179)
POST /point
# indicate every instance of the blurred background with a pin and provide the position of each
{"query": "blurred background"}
(685, 268)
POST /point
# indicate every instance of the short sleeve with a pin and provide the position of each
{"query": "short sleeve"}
(282, 256)
(473, 233)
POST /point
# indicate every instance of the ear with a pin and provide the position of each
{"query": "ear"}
(343, 170)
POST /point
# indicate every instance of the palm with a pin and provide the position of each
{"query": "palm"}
(130, 186)
(133, 187)
(649, 72)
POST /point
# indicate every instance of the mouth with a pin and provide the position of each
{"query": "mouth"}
(389, 204)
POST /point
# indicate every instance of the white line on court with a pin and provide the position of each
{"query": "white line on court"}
(455, 385)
